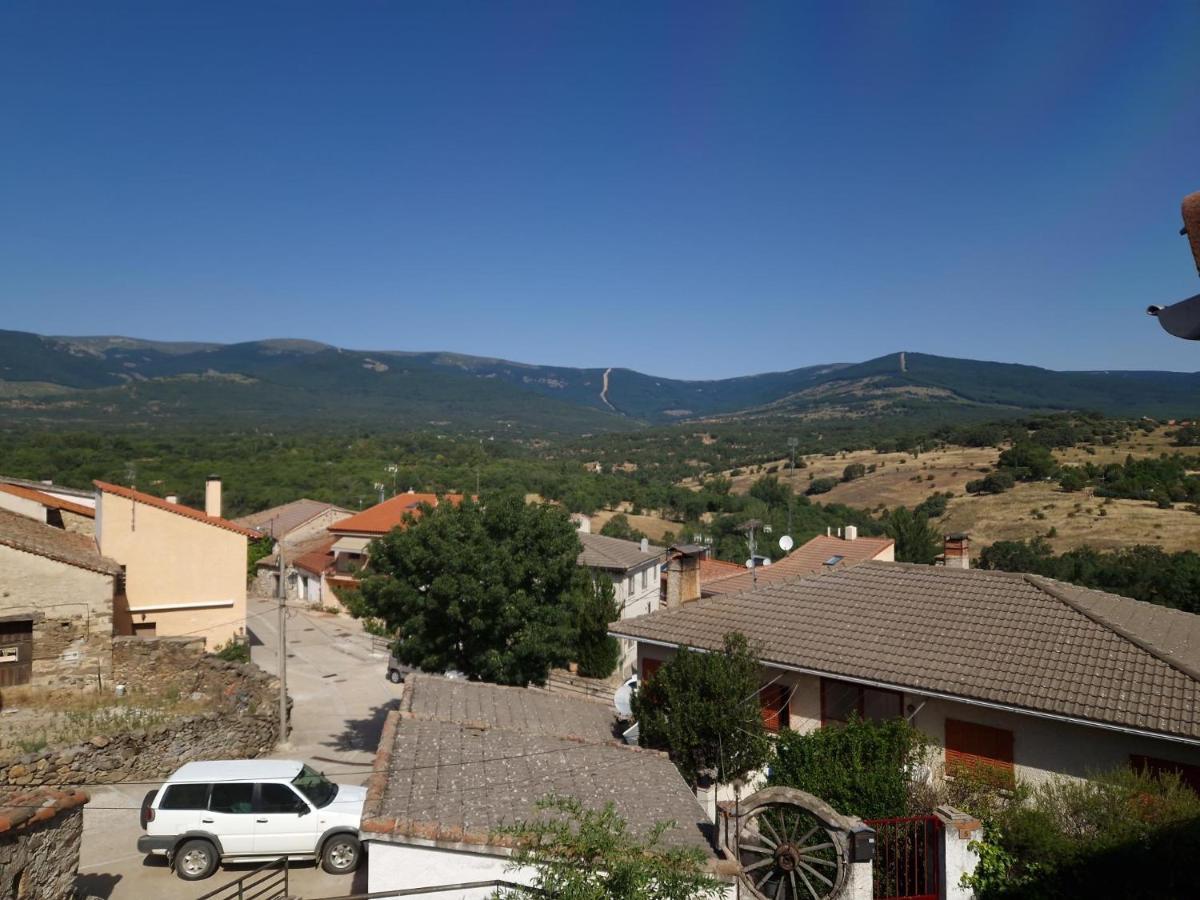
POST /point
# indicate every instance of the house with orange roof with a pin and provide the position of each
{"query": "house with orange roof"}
(185, 569)
(300, 529)
(46, 502)
(352, 536)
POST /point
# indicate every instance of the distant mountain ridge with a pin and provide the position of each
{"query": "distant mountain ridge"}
(107, 378)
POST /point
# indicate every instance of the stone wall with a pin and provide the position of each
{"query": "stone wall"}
(72, 613)
(561, 681)
(241, 721)
(40, 834)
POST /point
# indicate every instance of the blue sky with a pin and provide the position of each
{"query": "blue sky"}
(692, 190)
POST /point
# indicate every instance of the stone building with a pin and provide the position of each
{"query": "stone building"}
(57, 596)
(40, 834)
(302, 529)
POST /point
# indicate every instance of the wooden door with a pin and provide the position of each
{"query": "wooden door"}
(16, 652)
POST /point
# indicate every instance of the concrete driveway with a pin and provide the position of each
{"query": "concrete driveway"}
(340, 697)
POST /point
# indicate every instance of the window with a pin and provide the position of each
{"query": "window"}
(145, 629)
(9, 654)
(278, 798)
(645, 578)
(185, 796)
(233, 797)
(841, 698)
(773, 700)
(1189, 775)
(315, 786)
(649, 667)
(979, 750)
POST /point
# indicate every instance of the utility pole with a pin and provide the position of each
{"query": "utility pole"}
(792, 442)
(282, 595)
(751, 526)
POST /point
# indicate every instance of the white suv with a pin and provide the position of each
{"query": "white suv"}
(251, 809)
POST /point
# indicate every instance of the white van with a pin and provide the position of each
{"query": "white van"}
(251, 810)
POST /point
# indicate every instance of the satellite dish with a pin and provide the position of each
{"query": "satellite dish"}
(786, 543)
(749, 564)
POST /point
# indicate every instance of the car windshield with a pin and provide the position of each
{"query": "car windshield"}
(315, 786)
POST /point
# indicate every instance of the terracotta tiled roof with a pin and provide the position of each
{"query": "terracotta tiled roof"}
(1013, 640)
(810, 557)
(438, 779)
(26, 534)
(23, 807)
(616, 554)
(48, 500)
(279, 521)
(383, 517)
(186, 511)
(317, 560)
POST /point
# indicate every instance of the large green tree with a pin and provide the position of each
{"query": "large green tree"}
(595, 650)
(489, 590)
(703, 709)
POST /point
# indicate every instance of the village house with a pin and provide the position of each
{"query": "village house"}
(352, 536)
(1021, 674)
(634, 568)
(57, 598)
(301, 529)
(460, 759)
(185, 570)
(46, 502)
(821, 553)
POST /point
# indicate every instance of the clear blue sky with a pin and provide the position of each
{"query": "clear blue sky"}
(694, 190)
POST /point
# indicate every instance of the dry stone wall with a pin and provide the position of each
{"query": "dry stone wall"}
(40, 834)
(241, 720)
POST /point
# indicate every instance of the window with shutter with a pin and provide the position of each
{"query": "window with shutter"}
(649, 667)
(1189, 775)
(774, 703)
(979, 751)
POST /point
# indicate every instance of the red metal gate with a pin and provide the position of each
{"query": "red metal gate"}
(908, 858)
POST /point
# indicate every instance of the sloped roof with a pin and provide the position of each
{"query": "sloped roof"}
(808, 558)
(316, 560)
(279, 521)
(30, 536)
(615, 554)
(527, 710)
(383, 517)
(186, 511)
(997, 637)
(496, 753)
(25, 807)
(49, 500)
(45, 488)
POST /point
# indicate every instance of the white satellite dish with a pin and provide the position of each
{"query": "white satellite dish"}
(786, 543)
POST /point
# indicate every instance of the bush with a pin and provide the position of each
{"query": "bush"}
(821, 485)
(234, 650)
(853, 471)
(862, 768)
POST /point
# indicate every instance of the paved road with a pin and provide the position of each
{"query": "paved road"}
(340, 698)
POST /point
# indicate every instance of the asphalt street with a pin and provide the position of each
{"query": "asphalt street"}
(340, 697)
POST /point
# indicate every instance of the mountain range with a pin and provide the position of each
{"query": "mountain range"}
(121, 380)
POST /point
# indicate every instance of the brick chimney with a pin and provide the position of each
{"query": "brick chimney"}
(212, 495)
(956, 552)
(683, 575)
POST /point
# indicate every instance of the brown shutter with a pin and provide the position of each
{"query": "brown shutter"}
(773, 700)
(980, 750)
(649, 667)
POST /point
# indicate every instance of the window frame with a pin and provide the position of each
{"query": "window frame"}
(994, 755)
(860, 701)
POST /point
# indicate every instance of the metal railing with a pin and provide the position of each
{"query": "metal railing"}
(268, 882)
(441, 889)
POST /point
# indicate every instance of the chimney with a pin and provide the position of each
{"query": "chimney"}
(583, 523)
(645, 545)
(852, 532)
(957, 551)
(683, 575)
(172, 498)
(828, 531)
(212, 495)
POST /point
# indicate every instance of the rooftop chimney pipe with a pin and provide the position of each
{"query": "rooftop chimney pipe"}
(212, 495)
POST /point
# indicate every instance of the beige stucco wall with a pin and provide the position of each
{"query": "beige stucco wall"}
(1042, 747)
(172, 559)
(22, 506)
(72, 609)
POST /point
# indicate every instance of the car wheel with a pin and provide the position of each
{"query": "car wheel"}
(195, 860)
(340, 854)
(394, 676)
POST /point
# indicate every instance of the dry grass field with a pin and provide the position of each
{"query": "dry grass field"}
(651, 526)
(1026, 511)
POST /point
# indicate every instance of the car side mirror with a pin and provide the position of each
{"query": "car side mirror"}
(303, 810)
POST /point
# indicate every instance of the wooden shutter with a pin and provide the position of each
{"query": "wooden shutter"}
(979, 750)
(773, 700)
(649, 667)
(1189, 775)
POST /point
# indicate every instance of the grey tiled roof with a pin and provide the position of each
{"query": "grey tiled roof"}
(807, 559)
(451, 783)
(527, 710)
(603, 552)
(1005, 638)
(459, 759)
(279, 521)
(23, 533)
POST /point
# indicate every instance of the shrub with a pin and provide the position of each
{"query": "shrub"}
(234, 650)
(821, 485)
(596, 651)
(862, 768)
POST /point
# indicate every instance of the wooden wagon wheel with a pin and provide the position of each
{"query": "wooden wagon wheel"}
(789, 851)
